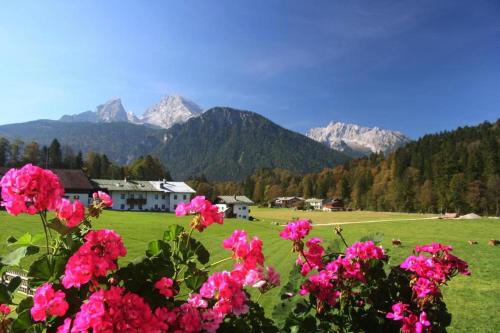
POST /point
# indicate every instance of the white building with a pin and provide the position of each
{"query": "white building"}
(140, 195)
(316, 204)
(234, 206)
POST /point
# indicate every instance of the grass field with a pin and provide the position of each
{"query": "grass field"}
(473, 300)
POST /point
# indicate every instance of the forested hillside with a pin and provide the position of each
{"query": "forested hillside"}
(449, 171)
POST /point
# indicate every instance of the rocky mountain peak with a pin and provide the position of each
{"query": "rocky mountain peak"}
(358, 140)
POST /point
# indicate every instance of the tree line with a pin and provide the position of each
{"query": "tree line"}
(95, 165)
(455, 171)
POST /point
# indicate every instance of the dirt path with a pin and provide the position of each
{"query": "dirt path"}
(373, 221)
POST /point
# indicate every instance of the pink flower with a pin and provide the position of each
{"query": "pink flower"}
(313, 256)
(433, 248)
(422, 324)
(197, 301)
(227, 291)
(72, 213)
(103, 197)
(207, 212)
(47, 301)
(4, 309)
(65, 327)
(94, 258)
(296, 231)
(365, 251)
(30, 190)
(165, 287)
(398, 311)
(116, 310)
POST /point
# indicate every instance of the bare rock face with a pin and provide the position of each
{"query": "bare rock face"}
(169, 111)
(358, 140)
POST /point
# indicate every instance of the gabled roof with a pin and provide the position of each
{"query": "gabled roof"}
(125, 185)
(71, 179)
(172, 187)
(288, 198)
(314, 200)
(235, 199)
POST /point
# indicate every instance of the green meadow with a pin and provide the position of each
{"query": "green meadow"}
(473, 301)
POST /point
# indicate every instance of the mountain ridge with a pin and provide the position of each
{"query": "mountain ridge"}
(357, 140)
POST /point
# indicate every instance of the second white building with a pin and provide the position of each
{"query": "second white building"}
(137, 195)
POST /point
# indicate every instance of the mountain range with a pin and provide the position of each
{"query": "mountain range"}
(220, 143)
(169, 111)
(355, 140)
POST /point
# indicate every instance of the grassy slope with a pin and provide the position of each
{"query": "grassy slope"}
(472, 300)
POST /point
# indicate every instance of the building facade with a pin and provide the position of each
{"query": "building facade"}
(234, 206)
(136, 195)
(316, 204)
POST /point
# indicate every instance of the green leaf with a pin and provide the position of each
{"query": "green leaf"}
(14, 284)
(45, 270)
(25, 304)
(172, 233)
(376, 237)
(11, 240)
(5, 296)
(195, 281)
(14, 257)
(23, 322)
(156, 247)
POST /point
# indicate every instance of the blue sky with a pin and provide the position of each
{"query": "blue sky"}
(415, 66)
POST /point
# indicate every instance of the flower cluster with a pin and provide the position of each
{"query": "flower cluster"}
(113, 310)
(72, 213)
(47, 301)
(165, 287)
(410, 322)
(206, 213)
(94, 258)
(4, 310)
(432, 271)
(312, 257)
(30, 190)
(297, 230)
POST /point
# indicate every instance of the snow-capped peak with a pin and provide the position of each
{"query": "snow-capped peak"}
(358, 139)
(171, 110)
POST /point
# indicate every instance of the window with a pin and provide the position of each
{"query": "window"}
(162, 206)
(163, 196)
(156, 196)
(175, 196)
(175, 206)
(140, 196)
(122, 196)
(76, 197)
(156, 206)
(122, 206)
(132, 196)
(184, 197)
(244, 207)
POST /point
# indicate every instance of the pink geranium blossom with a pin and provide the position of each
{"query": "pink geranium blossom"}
(116, 310)
(103, 197)
(165, 287)
(206, 211)
(47, 301)
(30, 190)
(94, 258)
(297, 230)
(313, 256)
(71, 213)
(4, 309)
